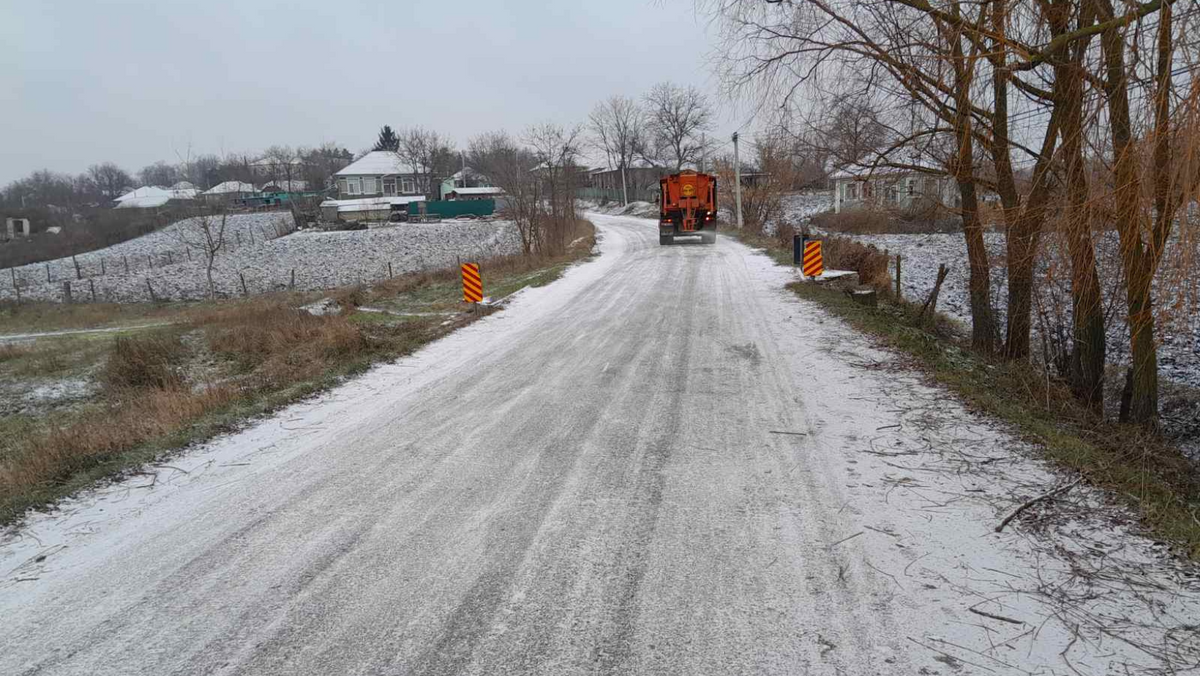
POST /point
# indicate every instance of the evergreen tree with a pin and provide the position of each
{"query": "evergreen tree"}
(387, 140)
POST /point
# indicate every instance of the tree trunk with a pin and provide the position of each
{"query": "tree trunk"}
(983, 320)
(212, 289)
(1090, 343)
(1023, 237)
(1018, 238)
(1137, 262)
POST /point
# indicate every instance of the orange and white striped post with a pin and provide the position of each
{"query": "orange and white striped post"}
(472, 283)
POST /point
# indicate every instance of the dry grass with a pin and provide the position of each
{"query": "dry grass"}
(280, 343)
(880, 221)
(870, 263)
(40, 316)
(839, 253)
(52, 456)
(11, 351)
(143, 362)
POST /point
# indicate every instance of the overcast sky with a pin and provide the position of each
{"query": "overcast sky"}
(134, 82)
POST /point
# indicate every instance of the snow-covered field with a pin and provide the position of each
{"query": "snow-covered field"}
(164, 262)
(1179, 354)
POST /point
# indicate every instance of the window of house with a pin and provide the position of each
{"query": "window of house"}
(341, 186)
(408, 186)
(911, 188)
(354, 186)
(389, 186)
(370, 185)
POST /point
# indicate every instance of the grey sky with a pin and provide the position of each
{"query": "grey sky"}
(134, 82)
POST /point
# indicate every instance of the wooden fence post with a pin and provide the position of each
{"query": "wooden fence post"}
(153, 298)
(243, 278)
(103, 270)
(16, 286)
(931, 302)
(78, 273)
(899, 293)
(47, 273)
(67, 292)
(126, 259)
(389, 269)
(292, 284)
(92, 286)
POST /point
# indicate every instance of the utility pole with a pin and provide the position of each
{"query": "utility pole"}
(737, 182)
(703, 152)
(624, 187)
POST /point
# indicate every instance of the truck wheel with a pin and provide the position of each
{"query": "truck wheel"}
(666, 239)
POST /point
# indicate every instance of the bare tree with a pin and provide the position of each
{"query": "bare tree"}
(511, 168)
(160, 173)
(557, 149)
(282, 164)
(205, 234)
(428, 154)
(109, 179)
(320, 164)
(766, 176)
(202, 171)
(676, 121)
(617, 128)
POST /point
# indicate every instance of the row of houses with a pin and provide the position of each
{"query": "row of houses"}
(230, 192)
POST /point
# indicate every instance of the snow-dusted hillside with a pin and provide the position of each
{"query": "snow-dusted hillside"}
(164, 262)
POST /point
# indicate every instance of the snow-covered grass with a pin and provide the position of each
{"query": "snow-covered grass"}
(255, 252)
(921, 254)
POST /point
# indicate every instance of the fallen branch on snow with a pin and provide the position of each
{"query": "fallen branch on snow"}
(1030, 503)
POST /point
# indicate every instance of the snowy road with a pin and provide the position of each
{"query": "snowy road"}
(661, 464)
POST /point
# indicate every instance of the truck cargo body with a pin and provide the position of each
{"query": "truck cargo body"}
(688, 207)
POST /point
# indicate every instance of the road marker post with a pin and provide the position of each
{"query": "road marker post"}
(814, 264)
(472, 283)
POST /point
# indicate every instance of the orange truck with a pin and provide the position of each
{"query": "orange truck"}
(688, 207)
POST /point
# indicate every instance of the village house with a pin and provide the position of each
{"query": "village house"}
(379, 173)
(640, 181)
(229, 191)
(150, 196)
(463, 178)
(886, 188)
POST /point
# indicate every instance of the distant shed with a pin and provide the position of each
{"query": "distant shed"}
(483, 193)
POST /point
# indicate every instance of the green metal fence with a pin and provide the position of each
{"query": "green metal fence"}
(455, 208)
